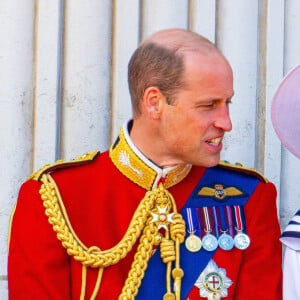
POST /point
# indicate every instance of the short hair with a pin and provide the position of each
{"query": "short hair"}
(154, 65)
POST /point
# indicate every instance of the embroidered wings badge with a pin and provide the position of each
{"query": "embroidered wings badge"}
(219, 192)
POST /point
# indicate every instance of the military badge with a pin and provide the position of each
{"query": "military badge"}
(213, 282)
(124, 159)
(163, 218)
(219, 192)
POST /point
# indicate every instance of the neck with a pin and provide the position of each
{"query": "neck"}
(146, 137)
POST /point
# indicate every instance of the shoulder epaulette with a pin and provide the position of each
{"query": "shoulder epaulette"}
(87, 157)
(240, 167)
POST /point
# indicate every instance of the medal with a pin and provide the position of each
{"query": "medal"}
(226, 241)
(209, 241)
(213, 283)
(193, 242)
(241, 239)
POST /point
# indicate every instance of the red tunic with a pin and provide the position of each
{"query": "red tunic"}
(100, 202)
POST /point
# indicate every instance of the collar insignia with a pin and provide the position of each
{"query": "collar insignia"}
(219, 192)
(135, 166)
(213, 282)
(124, 160)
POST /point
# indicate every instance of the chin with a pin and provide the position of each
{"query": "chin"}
(208, 163)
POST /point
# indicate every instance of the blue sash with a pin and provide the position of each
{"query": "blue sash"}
(154, 283)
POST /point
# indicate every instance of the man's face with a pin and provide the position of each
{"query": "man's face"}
(192, 129)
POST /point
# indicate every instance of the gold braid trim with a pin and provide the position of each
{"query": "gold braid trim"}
(87, 157)
(153, 212)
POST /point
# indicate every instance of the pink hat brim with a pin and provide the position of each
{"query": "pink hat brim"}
(285, 111)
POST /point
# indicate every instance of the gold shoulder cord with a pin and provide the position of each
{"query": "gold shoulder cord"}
(156, 210)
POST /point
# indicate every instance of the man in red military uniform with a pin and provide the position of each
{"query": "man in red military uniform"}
(157, 216)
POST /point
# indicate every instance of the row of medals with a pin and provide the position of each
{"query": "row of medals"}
(210, 242)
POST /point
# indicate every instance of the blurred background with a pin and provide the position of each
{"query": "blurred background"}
(63, 82)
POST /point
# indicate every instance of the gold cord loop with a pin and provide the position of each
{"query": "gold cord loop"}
(177, 229)
(94, 258)
(167, 250)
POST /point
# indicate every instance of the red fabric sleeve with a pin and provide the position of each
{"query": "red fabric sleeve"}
(261, 266)
(38, 266)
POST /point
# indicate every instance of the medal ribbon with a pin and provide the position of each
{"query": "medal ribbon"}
(229, 219)
(238, 218)
(206, 220)
(190, 214)
(199, 221)
(223, 218)
(216, 221)
(190, 220)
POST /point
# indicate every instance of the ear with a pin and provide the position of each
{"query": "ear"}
(153, 101)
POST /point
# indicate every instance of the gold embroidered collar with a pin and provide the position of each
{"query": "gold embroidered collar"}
(139, 169)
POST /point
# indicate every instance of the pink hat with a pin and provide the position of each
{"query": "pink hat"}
(286, 111)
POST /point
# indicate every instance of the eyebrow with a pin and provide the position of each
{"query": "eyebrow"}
(201, 101)
(228, 98)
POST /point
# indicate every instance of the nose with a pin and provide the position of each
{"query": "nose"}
(223, 120)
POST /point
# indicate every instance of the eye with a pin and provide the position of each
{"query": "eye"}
(209, 104)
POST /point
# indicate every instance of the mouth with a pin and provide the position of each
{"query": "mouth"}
(215, 141)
